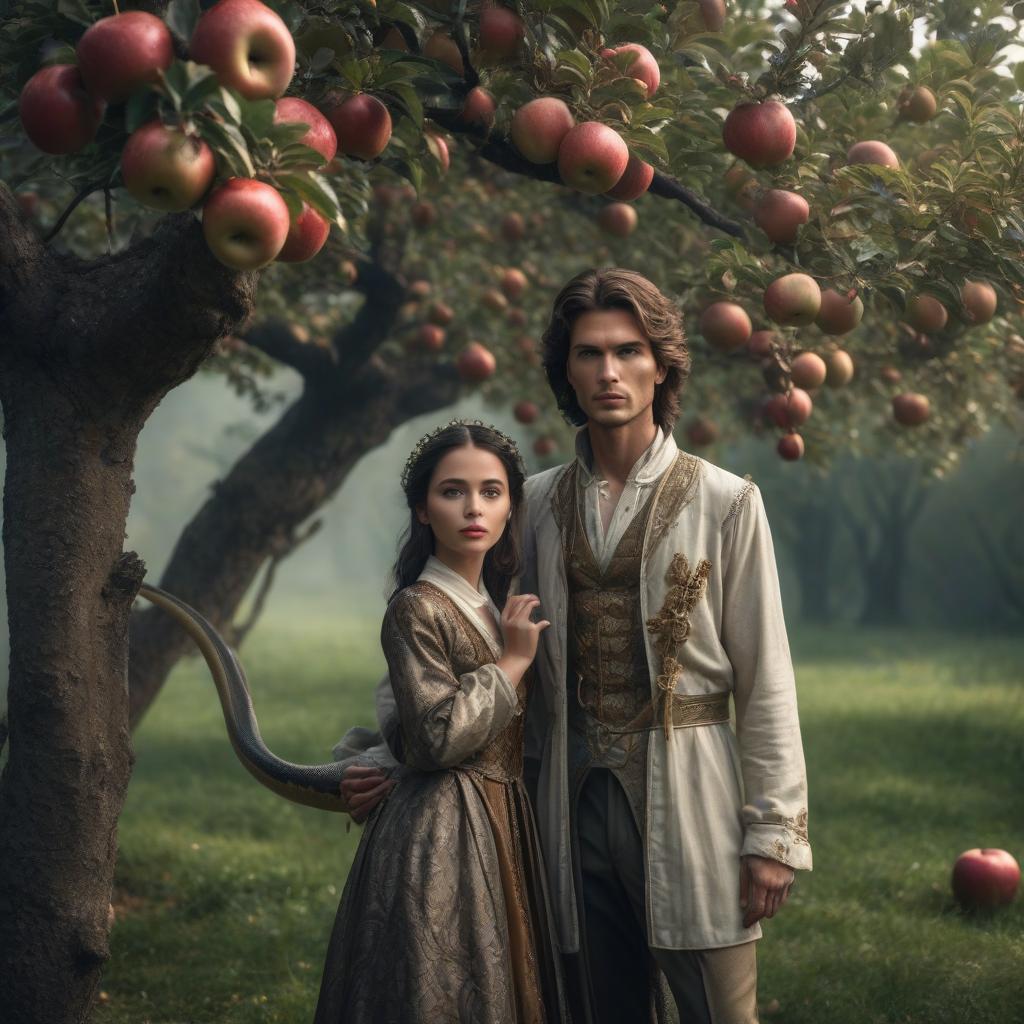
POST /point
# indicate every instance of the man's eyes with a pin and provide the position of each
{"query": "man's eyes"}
(631, 350)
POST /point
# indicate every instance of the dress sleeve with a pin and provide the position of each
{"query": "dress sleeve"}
(368, 748)
(444, 718)
(767, 724)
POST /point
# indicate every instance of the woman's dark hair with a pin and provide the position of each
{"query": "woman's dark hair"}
(503, 561)
(662, 322)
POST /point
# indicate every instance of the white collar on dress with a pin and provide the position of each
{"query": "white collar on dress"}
(462, 592)
(646, 470)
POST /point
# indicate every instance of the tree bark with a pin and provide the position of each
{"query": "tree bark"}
(87, 350)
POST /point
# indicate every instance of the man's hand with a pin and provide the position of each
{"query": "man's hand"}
(364, 788)
(764, 887)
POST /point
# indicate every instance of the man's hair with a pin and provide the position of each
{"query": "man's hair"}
(661, 320)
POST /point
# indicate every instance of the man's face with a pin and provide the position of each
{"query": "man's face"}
(612, 368)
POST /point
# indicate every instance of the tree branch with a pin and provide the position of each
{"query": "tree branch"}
(276, 339)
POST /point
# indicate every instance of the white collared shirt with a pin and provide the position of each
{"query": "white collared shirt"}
(645, 474)
(469, 601)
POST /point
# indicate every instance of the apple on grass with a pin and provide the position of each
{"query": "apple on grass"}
(320, 136)
(363, 126)
(57, 113)
(165, 168)
(123, 52)
(248, 46)
(245, 223)
(984, 879)
(513, 283)
(592, 157)
(306, 236)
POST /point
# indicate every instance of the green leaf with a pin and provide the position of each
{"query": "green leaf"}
(317, 191)
(257, 117)
(76, 10)
(181, 18)
(408, 99)
(140, 108)
(227, 141)
(201, 89)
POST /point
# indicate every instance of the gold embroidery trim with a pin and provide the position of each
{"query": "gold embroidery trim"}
(563, 502)
(670, 628)
(678, 491)
(797, 825)
(741, 496)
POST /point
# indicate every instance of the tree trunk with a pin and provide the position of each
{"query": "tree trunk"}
(288, 474)
(812, 552)
(86, 353)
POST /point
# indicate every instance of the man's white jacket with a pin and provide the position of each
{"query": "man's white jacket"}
(712, 794)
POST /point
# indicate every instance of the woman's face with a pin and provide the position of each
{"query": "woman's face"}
(468, 504)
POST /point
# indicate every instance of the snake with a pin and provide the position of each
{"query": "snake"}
(312, 785)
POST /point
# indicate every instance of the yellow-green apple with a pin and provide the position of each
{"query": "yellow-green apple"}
(592, 157)
(840, 369)
(798, 406)
(643, 67)
(779, 214)
(306, 236)
(545, 446)
(985, 879)
(538, 128)
(123, 52)
(791, 447)
(438, 147)
(712, 13)
(926, 313)
(761, 344)
(526, 411)
(501, 31)
(910, 409)
(513, 227)
(320, 136)
(763, 134)
(167, 168)
(513, 283)
(808, 370)
(478, 109)
(839, 313)
(57, 113)
(247, 45)
(792, 300)
(440, 313)
(442, 47)
(430, 337)
(635, 181)
(726, 325)
(475, 362)
(362, 124)
(245, 223)
(618, 219)
(872, 152)
(980, 301)
(701, 431)
(918, 105)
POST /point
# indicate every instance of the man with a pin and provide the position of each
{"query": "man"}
(657, 571)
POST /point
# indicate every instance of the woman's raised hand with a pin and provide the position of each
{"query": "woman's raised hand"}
(521, 635)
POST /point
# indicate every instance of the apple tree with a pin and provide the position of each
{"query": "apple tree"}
(896, 126)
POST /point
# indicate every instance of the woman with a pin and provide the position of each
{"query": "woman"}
(444, 917)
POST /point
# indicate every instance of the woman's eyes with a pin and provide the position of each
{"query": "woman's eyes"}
(452, 492)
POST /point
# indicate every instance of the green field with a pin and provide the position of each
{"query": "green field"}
(915, 747)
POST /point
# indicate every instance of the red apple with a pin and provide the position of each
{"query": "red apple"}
(712, 13)
(439, 150)
(910, 409)
(513, 283)
(839, 314)
(792, 300)
(475, 363)
(394, 40)
(890, 374)
(872, 152)
(761, 343)
(774, 410)
(726, 325)
(808, 370)
(643, 67)
(798, 406)
(918, 105)
(635, 181)
(779, 214)
(501, 31)
(791, 447)
(245, 223)
(478, 109)
(165, 168)
(122, 53)
(420, 289)
(306, 236)
(58, 115)
(538, 128)
(321, 136)
(430, 337)
(926, 313)
(980, 301)
(423, 214)
(493, 300)
(592, 157)
(840, 369)
(763, 134)
(701, 431)
(618, 219)
(526, 411)
(442, 47)
(247, 45)
(545, 446)
(513, 227)
(516, 317)
(985, 879)
(362, 124)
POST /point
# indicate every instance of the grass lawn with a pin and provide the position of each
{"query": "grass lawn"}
(226, 893)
